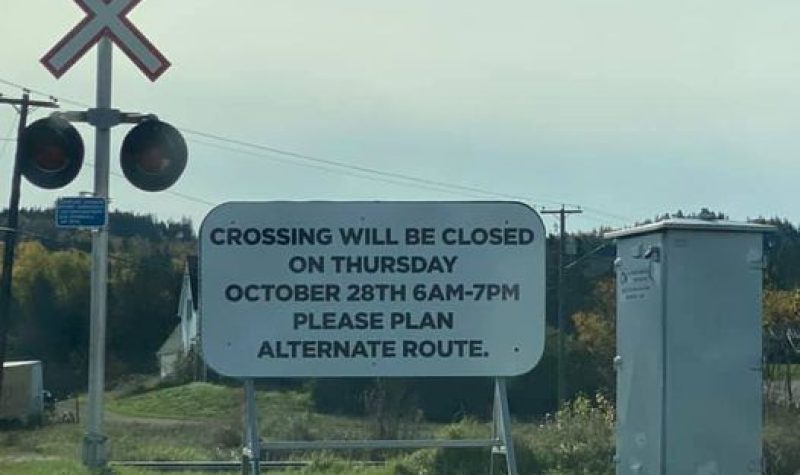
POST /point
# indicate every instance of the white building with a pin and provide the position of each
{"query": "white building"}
(185, 337)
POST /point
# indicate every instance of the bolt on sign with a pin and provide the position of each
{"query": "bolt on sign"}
(304, 289)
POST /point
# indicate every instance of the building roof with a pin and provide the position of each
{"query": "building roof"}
(172, 344)
(191, 264)
(11, 364)
(693, 224)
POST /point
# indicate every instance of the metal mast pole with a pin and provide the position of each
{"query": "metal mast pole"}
(94, 454)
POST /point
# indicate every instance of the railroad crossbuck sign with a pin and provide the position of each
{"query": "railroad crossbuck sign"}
(297, 289)
(106, 18)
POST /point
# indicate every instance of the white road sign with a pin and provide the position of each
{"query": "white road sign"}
(296, 289)
(106, 18)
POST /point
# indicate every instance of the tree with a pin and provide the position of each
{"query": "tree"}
(51, 294)
(781, 318)
(51, 291)
(595, 331)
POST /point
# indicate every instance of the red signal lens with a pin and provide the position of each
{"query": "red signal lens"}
(153, 160)
(50, 158)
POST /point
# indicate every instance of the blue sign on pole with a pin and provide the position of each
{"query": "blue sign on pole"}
(81, 212)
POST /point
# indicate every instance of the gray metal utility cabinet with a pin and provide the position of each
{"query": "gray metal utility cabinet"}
(689, 348)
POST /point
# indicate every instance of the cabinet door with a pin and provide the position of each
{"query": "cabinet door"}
(713, 352)
(640, 364)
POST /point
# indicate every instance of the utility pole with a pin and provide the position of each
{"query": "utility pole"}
(562, 322)
(10, 242)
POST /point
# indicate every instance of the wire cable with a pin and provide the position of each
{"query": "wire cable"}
(587, 255)
(171, 192)
(329, 169)
(7, 141)
(335, 166)
(365, 169)
(440, 185)
(41, 93)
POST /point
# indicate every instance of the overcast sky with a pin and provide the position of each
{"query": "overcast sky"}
(627, 108)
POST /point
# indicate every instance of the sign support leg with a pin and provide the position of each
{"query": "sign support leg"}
(501, 427)
(94, 442)
(252, 450)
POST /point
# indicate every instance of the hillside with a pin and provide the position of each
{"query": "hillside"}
(50, 307)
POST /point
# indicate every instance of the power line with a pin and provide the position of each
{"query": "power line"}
(365, 169)
(45, 94)
(7, 141)
(587, 255)
(335, 166)
(597, 211)
(171, 192)
(596, 218)
(330, 170)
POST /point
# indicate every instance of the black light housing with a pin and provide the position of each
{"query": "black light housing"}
(153, 155)
(52, 153)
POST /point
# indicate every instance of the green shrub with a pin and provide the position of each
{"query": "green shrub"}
(391, 410)
(782, 441)
(187, 369)
(134, 384)
(294, 426)
(578, 440)
(449, 461)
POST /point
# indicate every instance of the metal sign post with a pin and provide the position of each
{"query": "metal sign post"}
(105, 21)
(373, 289)
(94, 453)
(252, 450)
(501, 442)
(501, 428)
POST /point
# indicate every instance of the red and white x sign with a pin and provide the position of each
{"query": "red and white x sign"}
(106, 18)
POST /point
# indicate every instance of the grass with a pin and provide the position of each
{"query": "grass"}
(73, 467)
(130, 440)
(197, 421)
(282, 414)
(190, 401)
(70, 467)
(203, 422)
(55, 449)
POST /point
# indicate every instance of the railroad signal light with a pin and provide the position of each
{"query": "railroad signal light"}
(153, 155)
(52, 153)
